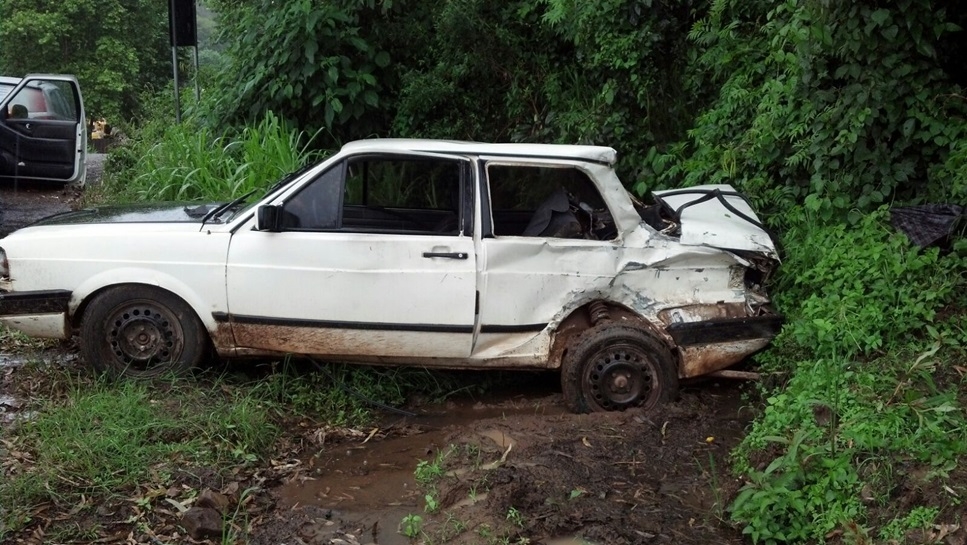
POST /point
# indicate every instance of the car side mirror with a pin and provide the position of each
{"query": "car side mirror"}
(269, 218)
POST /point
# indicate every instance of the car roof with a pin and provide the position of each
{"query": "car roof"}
(597, 154)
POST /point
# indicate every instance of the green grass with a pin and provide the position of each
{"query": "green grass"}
(99, 438)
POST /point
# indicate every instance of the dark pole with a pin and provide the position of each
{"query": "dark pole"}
(173, 25)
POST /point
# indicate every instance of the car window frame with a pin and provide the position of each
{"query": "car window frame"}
(487, 210)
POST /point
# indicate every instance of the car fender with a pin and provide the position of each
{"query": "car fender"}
(204, 306)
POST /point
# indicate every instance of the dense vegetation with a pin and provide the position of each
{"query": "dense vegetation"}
(118, 49)
(825, 113)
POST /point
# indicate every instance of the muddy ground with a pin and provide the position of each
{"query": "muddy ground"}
(514, 467)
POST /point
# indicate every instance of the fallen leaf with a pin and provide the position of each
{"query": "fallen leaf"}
(586, 442)
(177, 505)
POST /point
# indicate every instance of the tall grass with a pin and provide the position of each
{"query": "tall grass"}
(190, 161)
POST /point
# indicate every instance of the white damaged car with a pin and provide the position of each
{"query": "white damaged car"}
(414, 252)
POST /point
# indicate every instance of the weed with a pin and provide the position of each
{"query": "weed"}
(189, 162)
(15, 341)
(838, 426)
(411, 526)
(432, 504)
(452, 527)
(427, 472)
(485, 531)
(718, 508)
(917, 519)
(515, 517)
(236, 530)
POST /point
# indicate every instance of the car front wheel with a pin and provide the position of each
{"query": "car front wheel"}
(613, 367)
(141, 332)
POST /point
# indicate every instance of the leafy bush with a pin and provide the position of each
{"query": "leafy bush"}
(861, 289)
(844, 102)
(840, 433)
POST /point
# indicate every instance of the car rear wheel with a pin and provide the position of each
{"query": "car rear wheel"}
(141, 332)
(613, 367)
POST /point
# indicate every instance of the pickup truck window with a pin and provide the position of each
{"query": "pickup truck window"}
(543, 201)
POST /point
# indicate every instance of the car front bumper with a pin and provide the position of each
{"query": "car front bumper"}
(36, 313)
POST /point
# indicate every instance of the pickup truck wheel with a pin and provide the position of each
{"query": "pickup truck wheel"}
(141, 332)
(612, 367)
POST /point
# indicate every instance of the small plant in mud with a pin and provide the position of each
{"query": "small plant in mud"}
(452, 527)
(411, 526)
(428, 472)
(515, 517)
(432, 504)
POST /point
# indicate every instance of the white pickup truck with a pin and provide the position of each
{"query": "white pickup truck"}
(414, 252)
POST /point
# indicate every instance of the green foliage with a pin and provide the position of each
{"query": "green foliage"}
(842, 103)
(919, 518)
(861, 289)
(342, 394)
(190, 162)
(427, 473)
(317, 65)
(859, 405)
(102, 438)
(116, 48)
(411, 526)
(609, 73)
(840, 426)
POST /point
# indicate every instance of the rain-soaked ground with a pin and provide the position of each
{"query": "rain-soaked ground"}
(514, 467)
(510, 467)
(517, 467)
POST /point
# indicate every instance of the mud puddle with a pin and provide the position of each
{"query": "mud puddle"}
(522, 470)
(364, 489)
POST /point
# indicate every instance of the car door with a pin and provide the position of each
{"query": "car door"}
(372, 259)
(547, 240)
(43, 135)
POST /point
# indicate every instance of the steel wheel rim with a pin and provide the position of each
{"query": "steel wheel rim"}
(142, 336)
(619, 377)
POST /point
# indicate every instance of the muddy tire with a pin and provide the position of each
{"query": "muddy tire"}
(141, 332)
(612, 367)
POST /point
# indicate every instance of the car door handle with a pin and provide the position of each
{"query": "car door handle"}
(448, 255)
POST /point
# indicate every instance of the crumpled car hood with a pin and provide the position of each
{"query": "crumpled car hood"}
(717, 216)
(136, 213)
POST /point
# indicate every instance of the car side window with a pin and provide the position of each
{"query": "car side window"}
(316, 206)
(386, 194)
(546, 201)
